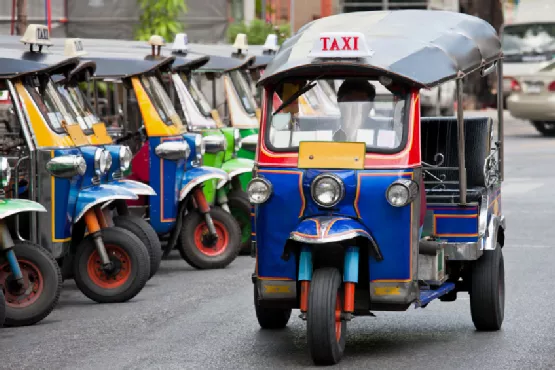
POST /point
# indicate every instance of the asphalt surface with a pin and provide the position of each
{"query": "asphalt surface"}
(188, 319)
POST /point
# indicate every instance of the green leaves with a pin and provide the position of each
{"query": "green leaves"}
(160, 17)
(257, 31)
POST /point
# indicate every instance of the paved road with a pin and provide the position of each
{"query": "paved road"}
(187, 319)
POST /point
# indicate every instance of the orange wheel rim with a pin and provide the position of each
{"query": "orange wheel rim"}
(33, 284)
(114, 279)
(201, 231)
(338, 317)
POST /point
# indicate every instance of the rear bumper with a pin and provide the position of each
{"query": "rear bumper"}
(536, 108)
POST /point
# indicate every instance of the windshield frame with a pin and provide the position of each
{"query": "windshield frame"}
(158, 101)
(407, 121)
(196, 92)
(82, 105)
(249, 95)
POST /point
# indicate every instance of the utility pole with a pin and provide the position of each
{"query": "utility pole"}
(21, 16)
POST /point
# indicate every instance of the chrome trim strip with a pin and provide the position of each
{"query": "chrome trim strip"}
(198, 180)
(101, 200)
(330, 239)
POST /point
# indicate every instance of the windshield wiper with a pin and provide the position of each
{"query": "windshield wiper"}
(301, 91)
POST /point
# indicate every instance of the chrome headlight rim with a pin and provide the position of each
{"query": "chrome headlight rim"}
(236, 140)
(67, 166)
(5, 172)
(125, 157)
(266, 183)
(102, 161)
(338, 181)
(410, 187)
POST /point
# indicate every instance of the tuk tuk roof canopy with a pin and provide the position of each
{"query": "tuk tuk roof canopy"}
(14, 63)
(125, 65)
(420, 47)
(78, 73)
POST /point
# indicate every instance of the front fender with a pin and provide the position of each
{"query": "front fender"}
(94, 195)
(333, 229)
(235, 167)
(136, 187)
(9, 207)
(198, 175)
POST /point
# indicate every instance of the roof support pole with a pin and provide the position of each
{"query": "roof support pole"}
(500, 123)
(460, 141)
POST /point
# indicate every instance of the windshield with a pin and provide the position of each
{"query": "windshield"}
(160, 99)
(52, 106)
(80, 107)
(529, 42)
(199, 98)
(244, 91)
(355, 120)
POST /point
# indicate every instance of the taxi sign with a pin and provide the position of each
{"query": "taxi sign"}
(74, 48)
(180, 43)
(271, 43)
(36, 34)
(340, 45)
(241, 42)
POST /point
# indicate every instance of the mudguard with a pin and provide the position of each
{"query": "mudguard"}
(90, 197)
(333, 229)
(235, 167)
(9, 207)
(136, 187)
(198, 175)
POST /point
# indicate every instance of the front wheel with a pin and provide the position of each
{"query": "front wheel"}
(144, 231)
(487, 291)
(546, 128)
(42, 284)
(240, 208)
(130, 267)
(326, 331)
(270, 318)
(195, 245)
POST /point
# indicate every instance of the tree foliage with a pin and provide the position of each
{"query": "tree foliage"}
(257, 31)
(160, 17)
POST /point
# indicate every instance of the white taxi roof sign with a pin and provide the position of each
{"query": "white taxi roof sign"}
(340, 45)
(74, 48)
(271, 42)
(241, 42)
(181, 42)
(36, 34)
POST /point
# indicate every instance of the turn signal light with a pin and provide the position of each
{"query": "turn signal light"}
(515, 86)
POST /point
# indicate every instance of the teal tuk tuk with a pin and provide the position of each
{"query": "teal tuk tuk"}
(361, 212)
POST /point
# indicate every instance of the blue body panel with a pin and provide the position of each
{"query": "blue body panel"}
(165, 178)
(426, 296)
(364, 207)
(65, 193)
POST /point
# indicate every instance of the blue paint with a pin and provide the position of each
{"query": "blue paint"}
(420, 232)
(97, 194)
(305, 264)
(65, 199)
(14, 265)
(350, 271)
(426, 296)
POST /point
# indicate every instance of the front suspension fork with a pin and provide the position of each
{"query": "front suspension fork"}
(221, 198)
(7, 247)
(95, 221)
(204, 208)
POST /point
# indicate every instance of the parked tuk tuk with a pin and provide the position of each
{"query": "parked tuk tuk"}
(357, 213)
(109, 264)
(97, 139)
(169, 159)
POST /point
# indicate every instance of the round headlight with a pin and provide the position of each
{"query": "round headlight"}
(81, 165)
(259, 190)
(125, 157)
(327, 190)
(5, 172)
(401, 192)
(237, 139)
(102, 161)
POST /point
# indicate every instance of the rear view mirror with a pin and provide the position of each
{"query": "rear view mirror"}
(280, 121)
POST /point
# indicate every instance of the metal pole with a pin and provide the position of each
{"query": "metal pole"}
(385, 4)
(438, 104)
(460, 139)
(292, 16)
(500, 123)
(263, 10)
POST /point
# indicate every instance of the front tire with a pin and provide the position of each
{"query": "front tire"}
(148, 236)
(326, 332)
(132, 267)
(240, 208)
(42, 285)
(194, 248)
(487, 291)
(270, 318)
(546, 128)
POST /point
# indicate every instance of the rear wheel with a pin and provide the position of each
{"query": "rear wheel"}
(131, 267)
(326, 332)
(42, 284)
(270, 318)
(148, 236)
(546, 128)
(196, 247)
(240, 207)
(487, 291)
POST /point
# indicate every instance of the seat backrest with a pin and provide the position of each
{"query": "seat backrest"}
(439, 136)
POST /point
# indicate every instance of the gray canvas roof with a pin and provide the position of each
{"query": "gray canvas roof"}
(421, 47)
